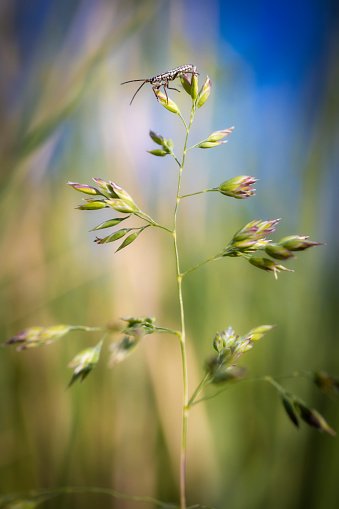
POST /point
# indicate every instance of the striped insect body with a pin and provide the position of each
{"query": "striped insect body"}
(163, 79)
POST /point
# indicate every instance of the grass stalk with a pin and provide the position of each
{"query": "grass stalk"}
(182, 336)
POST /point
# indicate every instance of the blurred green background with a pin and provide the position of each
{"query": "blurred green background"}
(64, 116)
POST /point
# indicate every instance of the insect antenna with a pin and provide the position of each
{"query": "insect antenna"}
(132, 81)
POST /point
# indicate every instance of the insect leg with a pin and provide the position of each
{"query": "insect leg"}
(154, 88)
(172, 88)
(166, 86)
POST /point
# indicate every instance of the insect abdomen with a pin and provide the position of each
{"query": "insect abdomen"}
(174, 73)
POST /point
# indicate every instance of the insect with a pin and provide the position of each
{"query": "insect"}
(162, 80)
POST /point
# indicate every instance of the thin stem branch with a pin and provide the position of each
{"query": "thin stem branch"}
(197, 144)
(199, 388)
(177, 161)
(87, 329)
(273, 382)
(215, 257)
(151, 221)
(183, 332)
(269, 379)
(162, 227)
(194, 146)
(183, 120)
(199, 192)
(169, 331)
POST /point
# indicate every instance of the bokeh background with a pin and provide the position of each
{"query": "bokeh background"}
(64, 116)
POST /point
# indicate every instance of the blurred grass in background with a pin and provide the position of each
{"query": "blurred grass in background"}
(65, 117)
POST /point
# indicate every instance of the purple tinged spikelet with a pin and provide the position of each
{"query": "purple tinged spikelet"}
(204, 92)
(111, 238)
(283, 250)
(278, 252)
(210, 144)
(186, 83)
(122, 206)
(121, 193)
(266, 227)
(105, 186)
(93, 205)
(83, 188)
(297, 243)
(328, 384)
(238, 187)
(194, 86)
(268, 265)
(259, 332)
(313, 418)
(84, 362)
(33, 337)
(158, 152)
(219, 135)
(157, 138)
(167, 103)
(250, 238)
(290, 409)
(230, 347)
